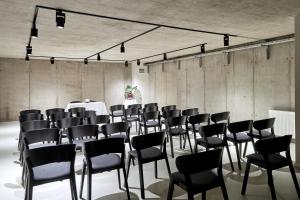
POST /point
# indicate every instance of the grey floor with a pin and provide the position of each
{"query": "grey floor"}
(105, 185)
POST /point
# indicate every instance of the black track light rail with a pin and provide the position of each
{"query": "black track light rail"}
(73, 58)
(102, 51)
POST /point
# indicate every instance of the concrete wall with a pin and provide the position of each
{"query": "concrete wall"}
(297, 88)
(248, 86)
(38, 84)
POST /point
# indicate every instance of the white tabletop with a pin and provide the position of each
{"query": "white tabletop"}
(99, 107)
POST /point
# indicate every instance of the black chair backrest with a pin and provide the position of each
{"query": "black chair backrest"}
(82, 131)
(264, 124)
(195, 163)
(34, 125)
(53, 111)
(149, 140)
(69, 122)
(199, 118)
(50, 154)
(176, 121)
(241, 126)
(30, 117)
(151, 115)
(99, 119)
(42, 135)
(24, 112)
(139, 106)
(76, 101)
(191, 111)
(77, 110)
(171, 113)
(150, 105)
(117, 127)
(212, 130)
(60, 115)
(132, 111)
(150, 109)
(87, 114)
(273, 145)
(167, 108)
(104, 146)
(220, 117)
(119, 107)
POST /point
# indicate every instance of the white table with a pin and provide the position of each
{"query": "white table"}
(99, 107)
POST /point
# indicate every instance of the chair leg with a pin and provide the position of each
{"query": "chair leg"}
(271, 184)
(82, 180)
(155, 169)
(171, 144)
(140, 127)
(180, 141)
(240, 149)
(190, 196)
(203, 195)
(136, 126)
(128, 165)
(184, 142)
(246, 175)
(119, 179)
(187, 135)
(126, 182)
(238, 155)
(294, 178)
(168, 166)
(89, 179)
(245, 149)
(141, 180)
(229, 156)
(29, 190)
(224, 190)
(73, 187)
(196, 147)
(171, 189)
(26, 192)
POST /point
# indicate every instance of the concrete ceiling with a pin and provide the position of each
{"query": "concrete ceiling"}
(84, 35)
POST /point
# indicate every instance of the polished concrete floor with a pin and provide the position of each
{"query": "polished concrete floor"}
(105, 185)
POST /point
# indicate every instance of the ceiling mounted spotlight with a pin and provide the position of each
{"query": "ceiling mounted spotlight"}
(202, 48)
(27, 58)
(52, 60)
(29, 50)
(98, 57)
(34, 31)
(60, 19)
(138, 62)
(226, 40)
(165, 56)
(86, 61)
(126, 63)
(122, 49)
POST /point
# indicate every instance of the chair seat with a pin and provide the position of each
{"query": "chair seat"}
(150, 123)
(131, 118)
(149, 154)
(177, 131)
(118, 113)
(200, 181)
(211, 142)
(38, 145)
(51, 171)
(276, 160)
(240, 137)
(79, 143)
(106, 162)
(264, 134)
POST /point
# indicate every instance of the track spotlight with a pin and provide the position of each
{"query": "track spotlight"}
(126, 63)
(60, 19)
(165, 56)
(122, 49)
(98, 57)
(52, 60)
(27, 58)
(34, 31)
(29, 50)
(138, 62)
(226, 40)
(86, 61)
(202, 48)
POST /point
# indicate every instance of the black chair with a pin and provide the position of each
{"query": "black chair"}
(65, 123)
(132, 114)
(49, 164)
(102, 156)
(139, 106)
(170, 113)
(189, 112)
(263, 129)
(150, 109)
(222, 117)
(195, 174)
(239, 135)
(151, 105)
(76, 101)
(87, 114)
(24, 112)
(146, 151)
(209, 138)
(77, 111)
(117, 130)
(99, 119)
(167, 108)
(116, 111)
(268, 157)
(58, 116)
(177, 127)
(83, 133)
(53, 111)
(195, 121)
(150, 120)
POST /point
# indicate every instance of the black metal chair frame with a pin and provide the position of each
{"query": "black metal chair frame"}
(149, 116)
(116, 108)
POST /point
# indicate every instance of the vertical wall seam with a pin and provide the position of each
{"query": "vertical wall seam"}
(290, 75)
(253, 82)
(29, 86)
(204, 86)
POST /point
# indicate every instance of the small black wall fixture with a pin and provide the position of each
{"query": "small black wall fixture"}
(126, 63)
(268, 52)
(86, 61)
(60, 19)
(52, 60)
(98, 57)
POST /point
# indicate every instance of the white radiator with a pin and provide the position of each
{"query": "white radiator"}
(284, 122)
